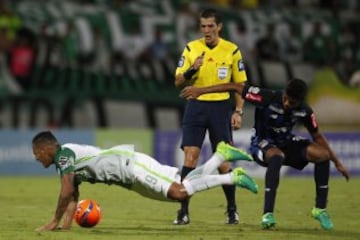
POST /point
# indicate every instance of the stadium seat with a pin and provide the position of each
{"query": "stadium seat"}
(303, 71)
(85, 115)
(41, 113)
(42, 119)
(99, 85)
(274, 74)
(26, 112)
(36, 76)
(167, 118)
(355, 79)
(6, 115)
(48, 78)
(125, 114)
(23, 119)
(70, 82)
(334, 115)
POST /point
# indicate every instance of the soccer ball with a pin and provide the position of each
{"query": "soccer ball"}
(88, 213)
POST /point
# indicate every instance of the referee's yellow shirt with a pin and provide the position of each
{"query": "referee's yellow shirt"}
(221, 64)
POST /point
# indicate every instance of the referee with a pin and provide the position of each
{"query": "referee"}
(209, 61)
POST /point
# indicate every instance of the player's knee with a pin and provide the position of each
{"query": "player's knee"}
(324, 155)
(321, 155)
(317, 153)
(191, 159)
(274, 152)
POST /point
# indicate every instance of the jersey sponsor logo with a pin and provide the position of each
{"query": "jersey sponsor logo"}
(254, 90)
(297, 138)
(274, 116)
(223, 72)
(65, 162)
(276, 109)
(299, 113)
(241, 65)
(181, 61)
(253, 97)
(313, 120)
(280, 130)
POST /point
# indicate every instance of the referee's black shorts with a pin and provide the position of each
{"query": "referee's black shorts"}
(199, 116)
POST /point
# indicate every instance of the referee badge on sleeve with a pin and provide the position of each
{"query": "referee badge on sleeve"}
(222, 72)
(241, 65)
(181, 61)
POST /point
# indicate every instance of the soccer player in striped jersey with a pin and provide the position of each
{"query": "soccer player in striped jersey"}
(123, 166)
(274, 144)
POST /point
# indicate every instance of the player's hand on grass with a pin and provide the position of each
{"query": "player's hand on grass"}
(65, 227)
(47, 227)
(62, 228)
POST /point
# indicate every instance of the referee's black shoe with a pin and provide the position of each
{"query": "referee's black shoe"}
(182, 218)
(232, 217)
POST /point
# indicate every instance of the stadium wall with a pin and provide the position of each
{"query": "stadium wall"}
(16, 157)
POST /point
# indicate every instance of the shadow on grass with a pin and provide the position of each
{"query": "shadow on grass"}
(222, 231)
(316, 232)
(324, 234)
(170, 230)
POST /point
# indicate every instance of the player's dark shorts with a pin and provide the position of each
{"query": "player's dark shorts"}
(200, 116)
(294, 150)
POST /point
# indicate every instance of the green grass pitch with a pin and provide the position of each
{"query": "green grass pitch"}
(29, 202)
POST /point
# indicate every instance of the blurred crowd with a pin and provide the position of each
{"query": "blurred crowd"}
(78, 44)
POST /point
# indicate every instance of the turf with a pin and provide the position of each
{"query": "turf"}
(29, 202)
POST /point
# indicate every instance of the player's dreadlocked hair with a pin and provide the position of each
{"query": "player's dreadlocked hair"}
(296, 89)
(44, 137)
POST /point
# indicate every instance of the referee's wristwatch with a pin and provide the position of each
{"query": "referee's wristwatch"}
(239, 111)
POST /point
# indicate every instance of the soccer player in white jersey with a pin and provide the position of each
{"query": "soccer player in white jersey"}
(121, 165)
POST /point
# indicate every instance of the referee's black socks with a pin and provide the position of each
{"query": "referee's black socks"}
(229, 191)
(185, 204)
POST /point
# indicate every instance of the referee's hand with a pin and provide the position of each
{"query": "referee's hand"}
(199, 61)
(190, 92)
(236, 121)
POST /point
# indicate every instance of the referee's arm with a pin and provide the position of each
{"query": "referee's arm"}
(179, 80)
(182, 78)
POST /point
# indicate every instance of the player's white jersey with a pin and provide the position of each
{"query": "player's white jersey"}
(82, 150)
(92, 164)
(119, 165)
